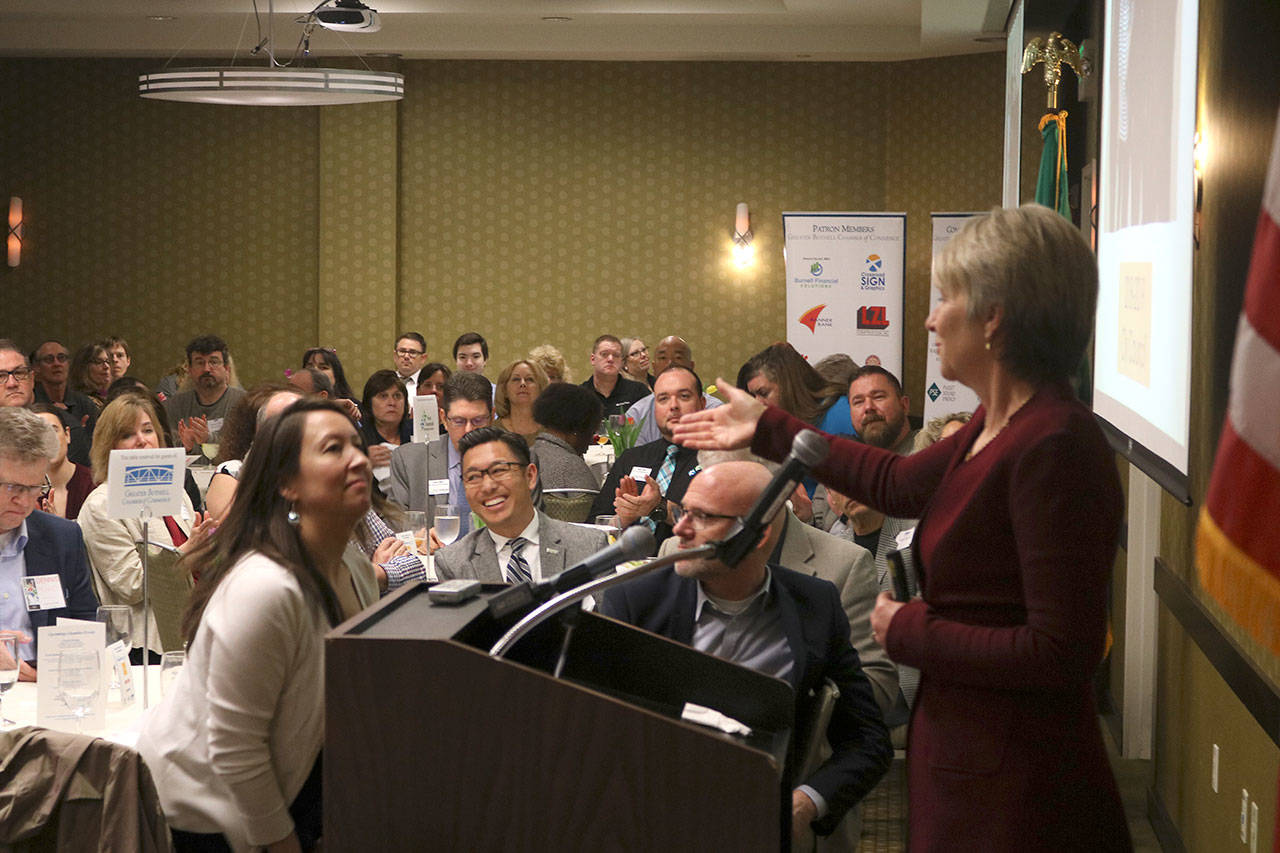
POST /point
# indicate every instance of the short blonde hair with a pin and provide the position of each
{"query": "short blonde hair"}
(1038, 268)
(552, 362)
(501, 405)
(117, 420)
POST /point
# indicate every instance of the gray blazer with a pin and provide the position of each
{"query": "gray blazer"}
(560, 466)
(850, 568)
(412, 465)
(560, 545)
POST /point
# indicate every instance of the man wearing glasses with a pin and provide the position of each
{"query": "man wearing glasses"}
(424, 475)
(51, 363)
(44, 572)
(775, 621)
(410, 357)
(518, 543)
(196, 416)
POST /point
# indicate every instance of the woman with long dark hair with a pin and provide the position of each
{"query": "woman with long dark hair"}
(325, 360)
(235, 745)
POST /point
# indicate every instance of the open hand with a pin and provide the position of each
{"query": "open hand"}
(726, 427)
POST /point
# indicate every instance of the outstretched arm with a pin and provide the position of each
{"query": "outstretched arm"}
(726, 427)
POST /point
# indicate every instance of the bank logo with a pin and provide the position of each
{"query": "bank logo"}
(148, 475)
(873, 317)
(874, 264)
(811, 319)
(934, 392)
(815, 268)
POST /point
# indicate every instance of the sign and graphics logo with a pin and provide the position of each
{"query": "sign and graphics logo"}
(815, 268)
(873, 317)
(811, 319)
(873, 277)
(934, 392)
(148, 475)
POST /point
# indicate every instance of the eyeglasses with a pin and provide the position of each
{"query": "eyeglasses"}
(699, 519)
(20, 490)
(50, 358)
(461, 423)
(409, 353)
(199, 363)
(499, 472)
(22, 374)
(99, 361)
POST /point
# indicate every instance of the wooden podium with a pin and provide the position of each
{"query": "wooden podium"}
(431, 744)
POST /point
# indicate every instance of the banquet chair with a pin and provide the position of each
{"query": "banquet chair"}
(63, 791)
(568, 504)
(169, 586)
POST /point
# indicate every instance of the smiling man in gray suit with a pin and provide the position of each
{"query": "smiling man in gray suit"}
(518, 543)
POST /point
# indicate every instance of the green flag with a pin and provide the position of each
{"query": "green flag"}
(1051, 185)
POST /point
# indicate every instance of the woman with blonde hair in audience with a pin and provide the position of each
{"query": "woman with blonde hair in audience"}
(1020, 513)
(128, 423)
(90, 372)
(234, 746)
(635, 361)
(939, 428)
(552, 362)
(69, 482)
(518, 386)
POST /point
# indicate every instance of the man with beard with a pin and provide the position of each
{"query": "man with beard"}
(196, 416)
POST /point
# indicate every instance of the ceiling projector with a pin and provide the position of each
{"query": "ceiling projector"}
(348, 16)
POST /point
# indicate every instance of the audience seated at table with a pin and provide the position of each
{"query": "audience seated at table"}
(34, 543)
(570, 416)
(518, 386)
(69, 482)
(517, 543)
(235, 745)
(127, 423)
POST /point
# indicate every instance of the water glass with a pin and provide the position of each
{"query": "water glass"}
(8, 670)
(448, 523)
(79, 678)
(415, 524)
(118, 619)
(171, 664)
(613, 525)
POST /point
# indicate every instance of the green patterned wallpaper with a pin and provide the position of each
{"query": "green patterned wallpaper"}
(531, 201)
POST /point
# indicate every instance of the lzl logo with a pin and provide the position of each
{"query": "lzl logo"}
(873, 317)
(873, 278)
(810, 317)
(148, 475)
(815, 268)
(934, 392)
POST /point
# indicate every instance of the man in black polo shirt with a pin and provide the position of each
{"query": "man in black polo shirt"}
(615, 391)
(648, 475)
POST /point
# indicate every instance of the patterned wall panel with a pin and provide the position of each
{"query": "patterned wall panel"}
(157, 221)
(945, 153)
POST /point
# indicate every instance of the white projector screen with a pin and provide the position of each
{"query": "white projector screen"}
(1142, 364)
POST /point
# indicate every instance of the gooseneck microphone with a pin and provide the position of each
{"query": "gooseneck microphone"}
(808, 449)
(635, 543)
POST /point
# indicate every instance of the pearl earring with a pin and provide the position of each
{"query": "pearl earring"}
(292, 516)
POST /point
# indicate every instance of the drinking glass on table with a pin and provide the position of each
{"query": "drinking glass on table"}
(613, 525)
(78, 674)
(171, 664)
(415, 525)
(8, 671)
(118, 621)
(448, 523)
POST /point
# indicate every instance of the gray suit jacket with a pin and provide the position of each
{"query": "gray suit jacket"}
(560, 545)
(412, 465)
(850, 568)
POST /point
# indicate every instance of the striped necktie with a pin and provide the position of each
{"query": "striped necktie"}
(517, 569)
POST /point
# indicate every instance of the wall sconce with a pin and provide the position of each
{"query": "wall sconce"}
(14, 241)
(743, 252)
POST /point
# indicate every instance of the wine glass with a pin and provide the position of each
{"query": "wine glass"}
(210, 450)
(8, 669)
(79, 677)
(118, 619)
(171, 664)
(448, 523)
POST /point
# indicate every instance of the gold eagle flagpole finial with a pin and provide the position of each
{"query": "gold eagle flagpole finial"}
(1054, 52)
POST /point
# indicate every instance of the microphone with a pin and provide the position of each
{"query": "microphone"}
(808, 449)
(635, 543)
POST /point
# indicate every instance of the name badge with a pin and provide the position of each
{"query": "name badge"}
(903, 539)
(638, 473)
(43, 592)
(438, 487)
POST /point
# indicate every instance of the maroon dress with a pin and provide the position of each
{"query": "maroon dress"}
(1014, 548)
(78, 488)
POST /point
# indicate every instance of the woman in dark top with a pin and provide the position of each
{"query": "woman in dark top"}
(70, 483)
(1019, 518)
(90, 372)
(384, 422)
(327, 362)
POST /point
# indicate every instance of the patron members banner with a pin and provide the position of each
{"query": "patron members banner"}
(845, 285)
(943, 396)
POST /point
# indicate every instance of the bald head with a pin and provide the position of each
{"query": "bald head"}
(672, 350)
(730, 488)
(278, 402)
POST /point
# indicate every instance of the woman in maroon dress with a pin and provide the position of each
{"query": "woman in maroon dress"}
(1019, 513)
